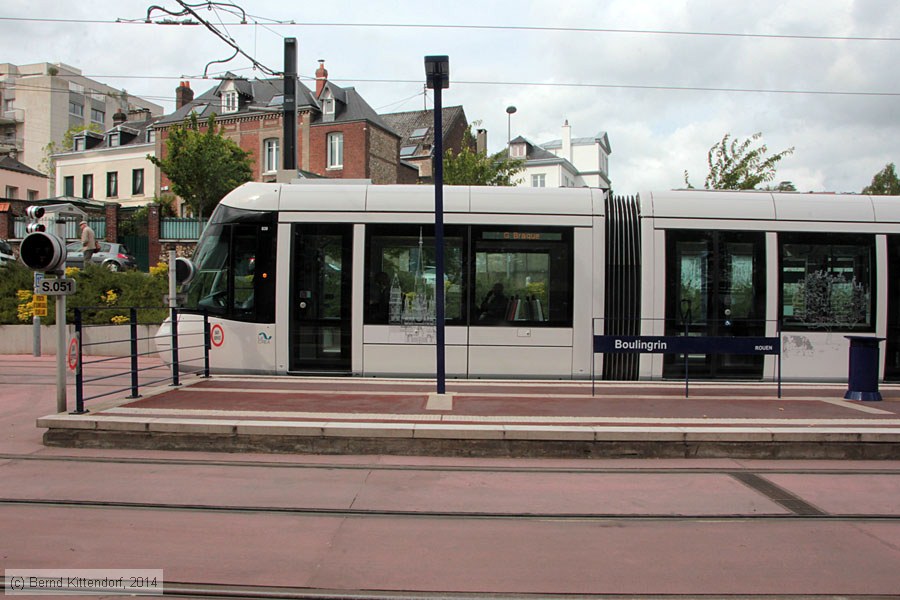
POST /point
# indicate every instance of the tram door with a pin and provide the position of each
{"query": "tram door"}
(320, 297)
(892, 347)
(715, 286)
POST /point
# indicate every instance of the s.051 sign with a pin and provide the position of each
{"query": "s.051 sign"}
(55, 287)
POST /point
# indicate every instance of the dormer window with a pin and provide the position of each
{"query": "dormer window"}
(114, 139)
(518, 150)
(79, 144)
(230, 101)
(328, 105)
(151, 136)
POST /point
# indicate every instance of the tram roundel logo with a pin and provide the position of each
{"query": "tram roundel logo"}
(217, 335)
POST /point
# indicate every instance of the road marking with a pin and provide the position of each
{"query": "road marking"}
(857, 406)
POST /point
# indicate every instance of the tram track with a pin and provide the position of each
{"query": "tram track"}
(734, 468)
(182, 589)
(431, 514)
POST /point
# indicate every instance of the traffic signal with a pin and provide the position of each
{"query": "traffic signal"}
(35, 213)
(184, 270)
(42, 251)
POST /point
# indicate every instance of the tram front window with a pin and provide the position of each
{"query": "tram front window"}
(235, 267)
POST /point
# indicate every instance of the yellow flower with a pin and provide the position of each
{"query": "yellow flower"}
(120, 319)
(110, 297)
(71, 271)
(160, 269)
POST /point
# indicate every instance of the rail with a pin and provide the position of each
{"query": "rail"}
(135, 368)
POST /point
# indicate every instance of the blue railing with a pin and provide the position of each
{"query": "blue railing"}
(172, 228)
(135, 369)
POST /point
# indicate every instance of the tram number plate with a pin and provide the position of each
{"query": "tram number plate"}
(55, 287)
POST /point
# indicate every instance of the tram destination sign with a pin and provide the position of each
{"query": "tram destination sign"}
(645, 344)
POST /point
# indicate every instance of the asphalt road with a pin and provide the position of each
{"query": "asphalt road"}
(375, 526)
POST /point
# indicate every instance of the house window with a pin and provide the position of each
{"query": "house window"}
(76, 109)
(137, 182)
(151, 136)
(12, 192)
(418, 133)
(230, 102)
(539, 180)
(113, 140)
(69, 185)
(271, 154)
(79, 144)
(407, 151)
(76, 87)
(112, 184)
(335, 150)
(32, 195)
(87, 186)
(98, 116)
(518, 150)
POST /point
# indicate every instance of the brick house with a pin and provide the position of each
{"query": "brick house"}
(338, 134)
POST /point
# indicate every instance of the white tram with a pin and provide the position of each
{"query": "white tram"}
(338, 278)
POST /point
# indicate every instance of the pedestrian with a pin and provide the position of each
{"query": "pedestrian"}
(89, 243)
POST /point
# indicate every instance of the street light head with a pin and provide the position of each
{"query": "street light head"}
(437, 72)
(510, 110)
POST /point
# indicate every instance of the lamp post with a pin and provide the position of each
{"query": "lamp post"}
(437, 77)
(510, 111)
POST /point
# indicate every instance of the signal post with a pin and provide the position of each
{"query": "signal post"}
(45, 253)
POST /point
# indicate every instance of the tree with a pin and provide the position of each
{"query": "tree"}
(884, 183)
(469, 167)
(735, 166)
(203, 166)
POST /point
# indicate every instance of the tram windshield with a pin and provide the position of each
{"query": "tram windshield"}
(235, 266)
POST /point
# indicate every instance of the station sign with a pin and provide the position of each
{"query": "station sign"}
(647, 344)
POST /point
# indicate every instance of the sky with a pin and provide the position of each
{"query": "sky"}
(664, 79)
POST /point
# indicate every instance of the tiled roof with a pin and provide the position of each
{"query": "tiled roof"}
(11, 164)
(267, 96)
(406, 123)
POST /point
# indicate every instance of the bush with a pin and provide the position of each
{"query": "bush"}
(104, 297)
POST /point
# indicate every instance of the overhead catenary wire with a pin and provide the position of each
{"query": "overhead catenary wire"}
(464, 26)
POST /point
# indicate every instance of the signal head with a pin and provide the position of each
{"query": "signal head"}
(35, 212)
(35, 227)
(41, 251)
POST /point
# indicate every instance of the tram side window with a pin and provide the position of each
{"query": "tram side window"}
(400, 275)
(234, 273)
(522, 275)
(827, 282)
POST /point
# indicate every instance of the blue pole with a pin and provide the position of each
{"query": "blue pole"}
(79, 374)
(439, 238)
(134, 354)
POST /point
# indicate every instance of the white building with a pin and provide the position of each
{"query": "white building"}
(40, 102)
(566, 162)
(111, 166)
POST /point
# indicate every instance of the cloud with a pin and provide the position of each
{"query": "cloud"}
(656, 133)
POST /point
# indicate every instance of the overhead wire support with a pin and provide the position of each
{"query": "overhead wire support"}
(188, 9)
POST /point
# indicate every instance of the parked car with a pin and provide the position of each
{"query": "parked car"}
(6, 253)
(114, 257)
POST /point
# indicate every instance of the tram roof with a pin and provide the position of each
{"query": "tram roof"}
(770, 206)
(339, 197)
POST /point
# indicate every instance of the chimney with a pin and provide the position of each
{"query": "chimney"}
(119, 118)
(481, 141)
(183, 94)
(321, 77)
(566, 151)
